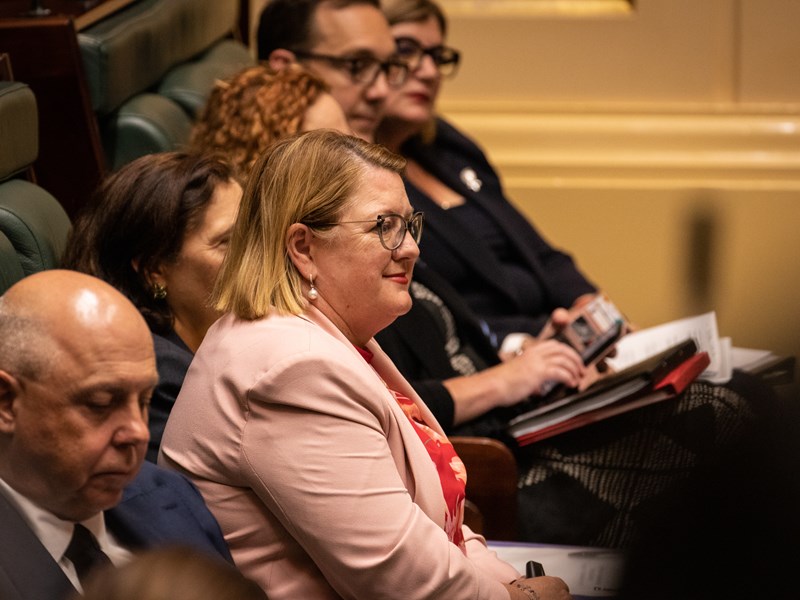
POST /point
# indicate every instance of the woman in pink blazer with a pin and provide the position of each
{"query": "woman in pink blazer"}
(328, 475)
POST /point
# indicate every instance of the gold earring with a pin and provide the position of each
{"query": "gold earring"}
(159, 291)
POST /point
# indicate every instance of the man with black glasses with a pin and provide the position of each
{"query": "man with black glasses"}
(345, 42)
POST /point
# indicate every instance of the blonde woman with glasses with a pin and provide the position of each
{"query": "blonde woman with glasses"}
(329, 476)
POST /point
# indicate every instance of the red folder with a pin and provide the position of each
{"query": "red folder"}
(679, 378)
(668, 386)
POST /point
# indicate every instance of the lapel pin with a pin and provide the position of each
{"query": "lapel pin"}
(470, 179)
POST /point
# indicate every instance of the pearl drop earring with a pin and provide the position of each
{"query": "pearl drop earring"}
(313, 294)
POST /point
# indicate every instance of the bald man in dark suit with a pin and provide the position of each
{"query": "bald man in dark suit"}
(77, 369)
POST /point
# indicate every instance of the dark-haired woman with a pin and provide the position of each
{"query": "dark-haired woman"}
(157, 230)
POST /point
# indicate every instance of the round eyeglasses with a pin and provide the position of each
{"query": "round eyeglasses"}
(412, 52)
(391, 228)
(363, 69)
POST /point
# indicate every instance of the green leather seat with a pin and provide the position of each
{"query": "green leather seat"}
(190, 83)
(145, 124)
(35, 223)
(150, 68)
(32, 221)
(131, 51)
(10, 268)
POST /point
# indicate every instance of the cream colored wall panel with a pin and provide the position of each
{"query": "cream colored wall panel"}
(759, 286)
(664, 51)
(631, 195)
(623, 239)
(641, 245)
(703, 148)
(568, 8)
(770, 51)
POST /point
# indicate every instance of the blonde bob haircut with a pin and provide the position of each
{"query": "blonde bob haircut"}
(308, 178)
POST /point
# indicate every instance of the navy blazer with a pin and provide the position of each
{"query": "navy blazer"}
(447, 246)
(159, 507)
(173, 358)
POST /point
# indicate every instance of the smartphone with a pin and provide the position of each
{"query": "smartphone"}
(592, 333)
(591, 346)
(595, 329)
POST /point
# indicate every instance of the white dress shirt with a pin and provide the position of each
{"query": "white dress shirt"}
(55, 534)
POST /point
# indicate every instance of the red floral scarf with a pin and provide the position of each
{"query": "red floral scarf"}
(452, 474)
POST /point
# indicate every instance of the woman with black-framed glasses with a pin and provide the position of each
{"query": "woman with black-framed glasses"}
(507, 273)
(445, 58)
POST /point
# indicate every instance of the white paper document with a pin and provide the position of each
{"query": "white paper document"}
(589, 572)
(640, 345)
(751, 359)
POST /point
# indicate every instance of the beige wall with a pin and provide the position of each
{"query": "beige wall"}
(658, 143)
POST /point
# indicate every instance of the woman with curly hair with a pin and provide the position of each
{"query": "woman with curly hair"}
(258, 106)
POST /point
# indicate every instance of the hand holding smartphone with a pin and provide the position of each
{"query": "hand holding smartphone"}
(592, 332)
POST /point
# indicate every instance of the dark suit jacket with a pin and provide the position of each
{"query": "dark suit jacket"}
(416, 345)
(173, 358)
(447, 246)
(158, 508)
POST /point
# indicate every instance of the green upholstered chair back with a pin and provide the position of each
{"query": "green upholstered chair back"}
(10, 267)
(32, 221)
(35, 223)
(150, 68)
(133, 49)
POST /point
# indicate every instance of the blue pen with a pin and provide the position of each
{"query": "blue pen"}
(534, 569)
